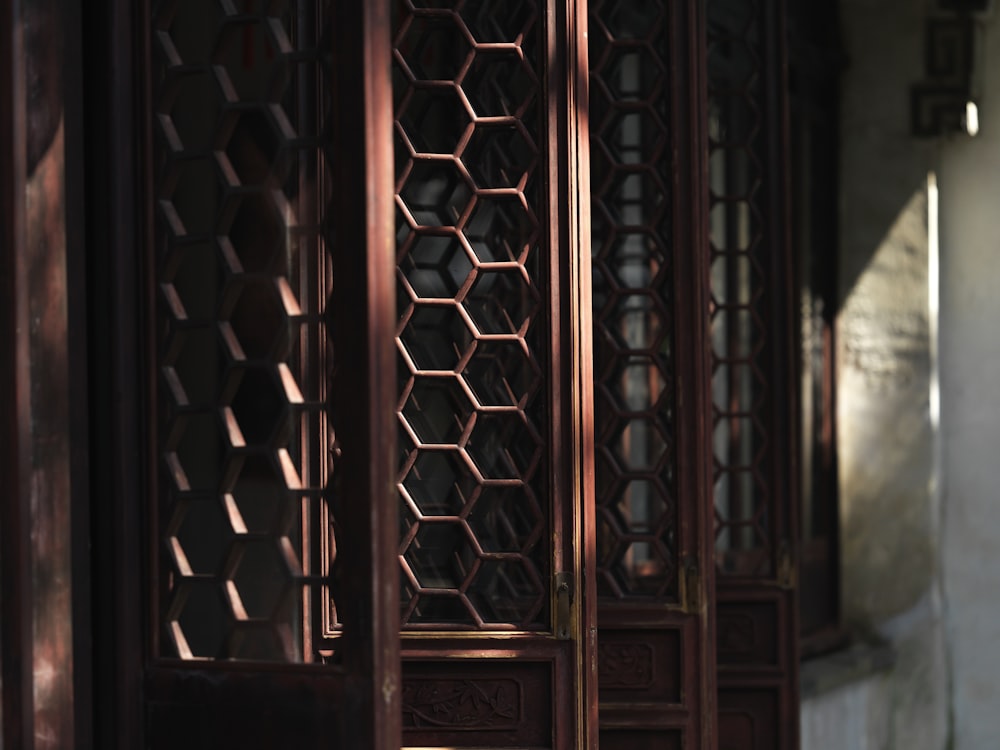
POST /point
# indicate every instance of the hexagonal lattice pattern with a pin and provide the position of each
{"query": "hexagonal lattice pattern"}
(739, 316)
(434, 193)
(434, 266)
(474, 546)
(436, 411)
(434, 337)
(633, 320)
(243, 426)
(502, 372)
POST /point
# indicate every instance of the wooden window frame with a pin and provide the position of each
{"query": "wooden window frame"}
(815, 63)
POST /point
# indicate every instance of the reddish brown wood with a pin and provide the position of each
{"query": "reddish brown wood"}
(236, 707)
(668, 704)
(756, 522)
(656, 647)
(493, 399)
(365, 381)
(51, 492)
(185, 704)
(15, 378)
(78, 345)
(580, 284)
(116, 450)
(478, 698)
(37, 653)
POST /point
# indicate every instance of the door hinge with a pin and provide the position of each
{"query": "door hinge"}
(563, 584)
(787, 574)
(691, 586)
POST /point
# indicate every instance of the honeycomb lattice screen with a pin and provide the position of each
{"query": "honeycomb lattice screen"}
(633, 299)
(741, 243)
(474, 499)
(243, 276)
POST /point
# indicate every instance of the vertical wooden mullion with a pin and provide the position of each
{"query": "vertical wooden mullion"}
(117, 314)
(692, 271)
(560, 365)
(562, 487)
(786, 381)
(781, 279)
(142, 168)
(364, 389)
(15, 381)
(582, 474)
(79, 386)
(37, 538)
(570, 305)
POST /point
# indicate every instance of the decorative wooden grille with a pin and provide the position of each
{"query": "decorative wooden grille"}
(475, 543)
(649, 272)
(753, 394)
(633, 300)
(741, 241)
(243, 276)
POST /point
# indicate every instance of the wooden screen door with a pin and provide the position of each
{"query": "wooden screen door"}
(494, 476)
(250, 549)
(380, 373)
(368, 406)
(654, 544)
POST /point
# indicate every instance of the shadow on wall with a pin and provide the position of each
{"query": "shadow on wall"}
(890, 527)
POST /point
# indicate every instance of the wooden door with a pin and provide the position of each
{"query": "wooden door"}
(654, 545)
(369, 404)
(253, 450)
(273, 369)
(696, 453)
(495, 511)
(753, 388)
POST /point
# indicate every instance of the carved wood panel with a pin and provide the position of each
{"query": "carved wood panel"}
(478, 703)
(640, 665)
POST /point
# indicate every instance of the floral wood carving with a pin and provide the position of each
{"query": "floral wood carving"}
(625, 666)
(462, 704)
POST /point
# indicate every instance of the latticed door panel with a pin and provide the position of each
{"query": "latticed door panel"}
(752, 389)
(295, 388)
(248, 229)
(474, 329)
(489, 516)
(243, 274)
(655, 667)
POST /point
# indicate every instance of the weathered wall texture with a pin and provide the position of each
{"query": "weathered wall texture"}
(969, 179)
(852, 717)
(920, 503)
(889, 511)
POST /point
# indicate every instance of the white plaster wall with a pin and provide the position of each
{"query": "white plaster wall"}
(887, 442)
(921, 538)
(969, 180)
(852, 717)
